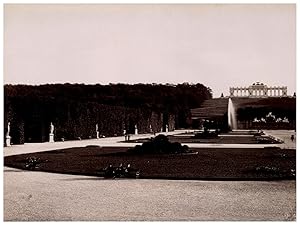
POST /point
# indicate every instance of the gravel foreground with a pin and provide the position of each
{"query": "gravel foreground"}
(38, 196)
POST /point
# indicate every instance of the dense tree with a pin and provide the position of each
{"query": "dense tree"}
(75, 108)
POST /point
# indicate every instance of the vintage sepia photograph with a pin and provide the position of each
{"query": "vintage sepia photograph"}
(149, 112)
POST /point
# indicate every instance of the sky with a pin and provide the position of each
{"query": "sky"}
(220, 46)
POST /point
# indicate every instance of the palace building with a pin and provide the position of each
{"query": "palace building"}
(258, 90)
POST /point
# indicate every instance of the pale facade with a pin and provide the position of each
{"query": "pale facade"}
(258, 90)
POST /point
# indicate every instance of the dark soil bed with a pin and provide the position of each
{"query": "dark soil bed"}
(231, 139)
(210, 164)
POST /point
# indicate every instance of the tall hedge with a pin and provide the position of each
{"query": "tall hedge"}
(76, 109)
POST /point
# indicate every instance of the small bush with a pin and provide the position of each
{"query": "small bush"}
(160, 145)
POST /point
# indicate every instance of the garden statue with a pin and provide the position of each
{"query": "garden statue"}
(125, 134)
(51, 135)
(135, 129)
(97, 131)
(7, 135)
(8, 130)
(167, 128)
(51, 128)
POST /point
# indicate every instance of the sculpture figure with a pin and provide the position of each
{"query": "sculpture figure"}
(97, 131)
(51, 128)
(7, 135)
(51, 135)
(8, 130)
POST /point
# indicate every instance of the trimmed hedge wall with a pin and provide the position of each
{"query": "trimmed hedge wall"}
(78, 121)
(75, 109)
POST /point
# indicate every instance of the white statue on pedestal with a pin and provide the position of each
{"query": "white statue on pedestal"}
(97, 131)
(51, 135)
(167, 128)
(7, 135)
(51, 128)
(135, 129)
(8, 129)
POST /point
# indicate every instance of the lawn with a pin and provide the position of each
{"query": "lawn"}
(208, 164)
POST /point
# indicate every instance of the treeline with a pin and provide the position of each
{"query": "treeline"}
(280, 107)
(284, 107)
(76, 108)
(158, 96)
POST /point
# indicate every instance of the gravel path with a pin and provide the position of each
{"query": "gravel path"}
(284, 135)
(116, 141)
(39, 196)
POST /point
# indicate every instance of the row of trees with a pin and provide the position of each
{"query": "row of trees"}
(76, 108)
(169, 97)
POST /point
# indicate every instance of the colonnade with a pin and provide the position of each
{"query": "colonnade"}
(258, 91)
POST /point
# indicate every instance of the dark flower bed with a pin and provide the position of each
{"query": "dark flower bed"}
(160, 145)
(213, 137)
(208, 164)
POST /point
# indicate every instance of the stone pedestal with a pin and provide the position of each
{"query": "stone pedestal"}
(167, 129)
(136, 131)
(7, 141)
(51, 137)
(97, 134)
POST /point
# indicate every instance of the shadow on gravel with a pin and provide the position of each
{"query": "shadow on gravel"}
(14, 171)
(79, 178)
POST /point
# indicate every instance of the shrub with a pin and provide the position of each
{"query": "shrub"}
(160, 145)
